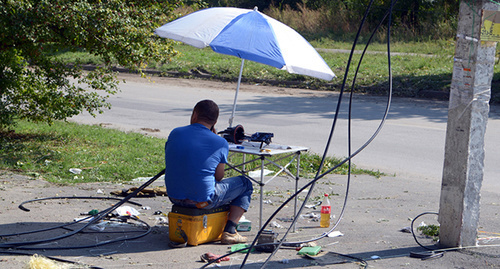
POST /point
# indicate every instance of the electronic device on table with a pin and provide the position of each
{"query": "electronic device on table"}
(237, 135)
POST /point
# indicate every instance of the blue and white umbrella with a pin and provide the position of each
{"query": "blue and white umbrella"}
(251, 35)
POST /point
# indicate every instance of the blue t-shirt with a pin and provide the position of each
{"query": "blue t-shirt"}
(192, 153)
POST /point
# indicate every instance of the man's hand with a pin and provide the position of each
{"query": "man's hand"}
(219, 172)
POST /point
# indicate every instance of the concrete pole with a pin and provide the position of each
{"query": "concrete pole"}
(467, 118)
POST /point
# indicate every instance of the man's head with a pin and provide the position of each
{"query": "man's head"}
(205, 111)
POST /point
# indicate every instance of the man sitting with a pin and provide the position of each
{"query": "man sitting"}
(195, 158)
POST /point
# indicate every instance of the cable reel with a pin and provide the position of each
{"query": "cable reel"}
(237, 135)
(234, 134)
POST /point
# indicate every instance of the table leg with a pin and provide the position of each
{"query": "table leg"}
(296, 188)
(244, 160)
(261, 189)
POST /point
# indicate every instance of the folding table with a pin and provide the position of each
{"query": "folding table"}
(265, 154)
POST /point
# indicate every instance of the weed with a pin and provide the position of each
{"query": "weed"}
(431, 231)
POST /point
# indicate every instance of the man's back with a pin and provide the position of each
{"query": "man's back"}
(192, 154)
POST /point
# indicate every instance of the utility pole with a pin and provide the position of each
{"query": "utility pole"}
(467, 118)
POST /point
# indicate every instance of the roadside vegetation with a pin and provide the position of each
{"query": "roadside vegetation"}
(421, 52)
(103, 155)
(422, 48)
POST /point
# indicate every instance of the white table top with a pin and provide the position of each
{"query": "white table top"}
(267, 150)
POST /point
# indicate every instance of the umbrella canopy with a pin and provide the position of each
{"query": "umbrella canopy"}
(251, 35)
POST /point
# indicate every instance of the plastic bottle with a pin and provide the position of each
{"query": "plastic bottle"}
(326, 211)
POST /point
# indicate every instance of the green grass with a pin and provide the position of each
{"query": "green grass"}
(411, 73)
(431, 231)
(417, 68)
(434, 47)
(309, 165)
(102, 154)
(49, 152)
(78, 56)
(426, 67)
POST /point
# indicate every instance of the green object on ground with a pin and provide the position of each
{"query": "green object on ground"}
(310, 250)
(239, 247)
(93, 212)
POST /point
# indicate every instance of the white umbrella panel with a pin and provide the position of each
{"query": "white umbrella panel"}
(251, 35)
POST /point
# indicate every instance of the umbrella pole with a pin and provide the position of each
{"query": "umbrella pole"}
(236, 94)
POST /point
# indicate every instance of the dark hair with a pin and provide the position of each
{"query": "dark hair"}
(207, 111)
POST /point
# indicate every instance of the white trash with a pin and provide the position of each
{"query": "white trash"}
(75, 171)
(127, 211)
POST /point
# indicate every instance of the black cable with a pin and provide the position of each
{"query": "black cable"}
(427, 255)
(21, 206)
(65, 224)
(102, 243)
(93, 219)
(326, 149)
(413, 232)
(49, 257)
(362, 263)
(231, 253)
(312, 183)
(349, 119)
(330, 136)
(46, 229)
(431, 253)
(350, 108)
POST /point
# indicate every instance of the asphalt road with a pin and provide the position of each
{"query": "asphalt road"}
(410, 144)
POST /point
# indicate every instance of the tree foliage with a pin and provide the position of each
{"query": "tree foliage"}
(35, 85)
(414, 17)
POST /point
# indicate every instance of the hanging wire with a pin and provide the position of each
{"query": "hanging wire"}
(318, 176)
(296, 217)
(388, 13)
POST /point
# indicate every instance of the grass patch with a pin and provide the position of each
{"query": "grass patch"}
(431, 231)
(309, 165)
(102, 154)
(50, 151)
(418, 68)
(412, 74)
(434, 47)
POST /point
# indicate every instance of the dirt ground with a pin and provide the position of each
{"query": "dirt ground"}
(375, 212)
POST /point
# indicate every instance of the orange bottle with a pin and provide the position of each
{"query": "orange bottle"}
(326, 211)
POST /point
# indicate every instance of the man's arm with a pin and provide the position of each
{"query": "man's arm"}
(219, 172)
